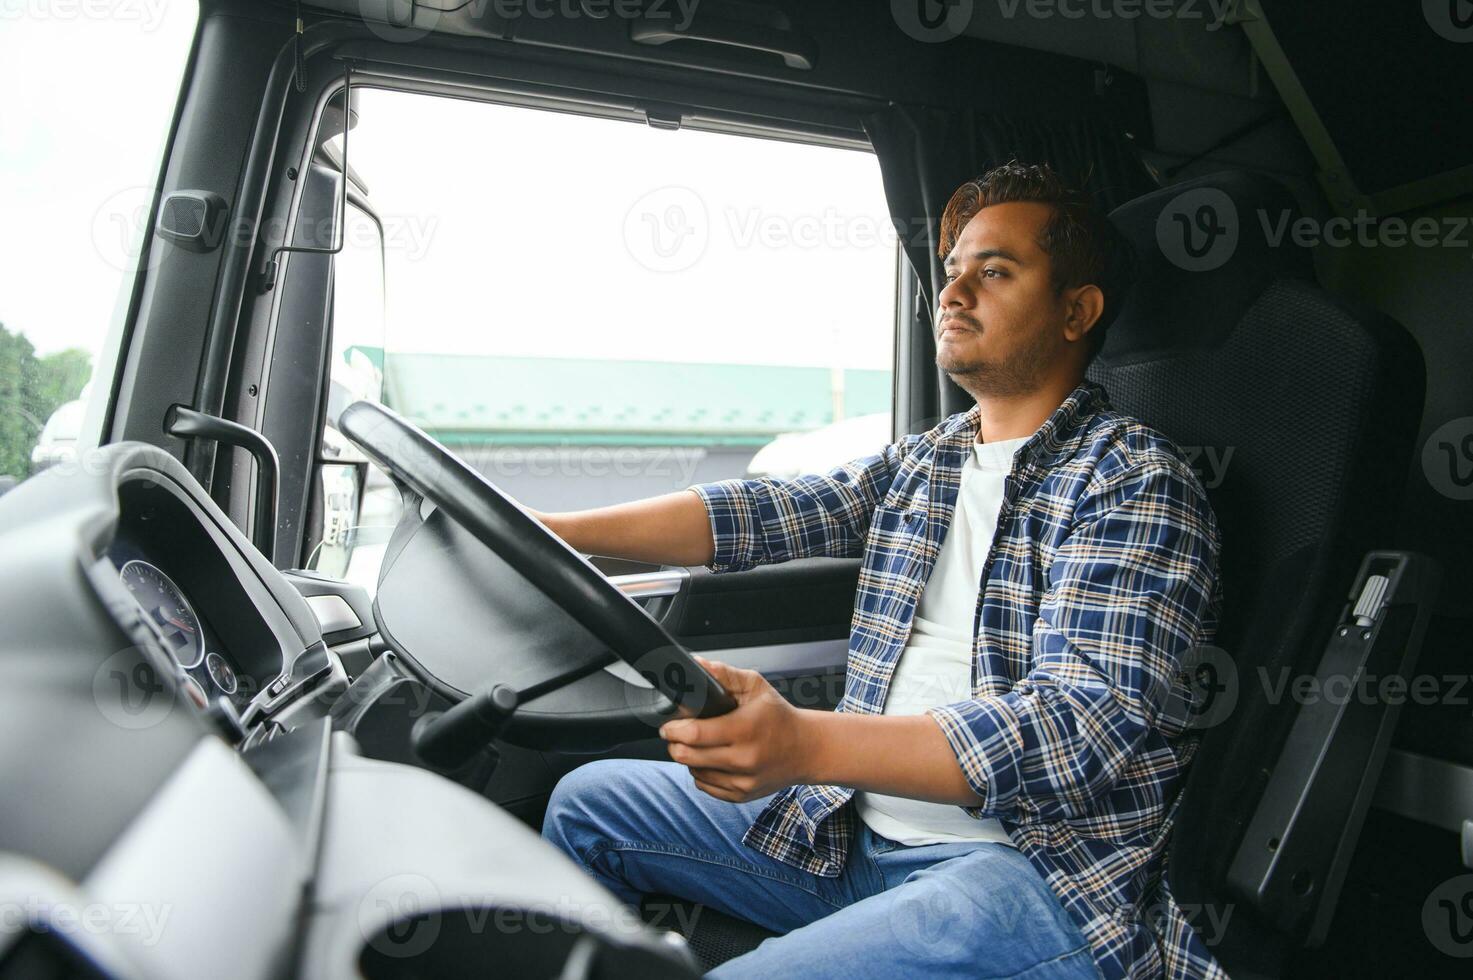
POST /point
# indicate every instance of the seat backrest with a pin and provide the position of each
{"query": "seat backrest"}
(1302, 410)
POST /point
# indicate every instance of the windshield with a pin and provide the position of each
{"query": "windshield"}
(79, 163)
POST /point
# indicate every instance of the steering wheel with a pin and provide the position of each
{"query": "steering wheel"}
(502, 618)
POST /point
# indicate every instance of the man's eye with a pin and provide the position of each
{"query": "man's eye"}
(993, 273)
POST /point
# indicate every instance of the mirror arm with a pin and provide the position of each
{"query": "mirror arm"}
(268, 273)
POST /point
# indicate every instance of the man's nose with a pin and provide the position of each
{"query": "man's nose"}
(952, 295)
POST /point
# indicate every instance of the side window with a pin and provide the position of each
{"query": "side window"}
(591, 310)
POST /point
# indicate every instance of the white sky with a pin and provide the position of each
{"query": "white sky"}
(87, 105)
(510, 231)
(519, 232)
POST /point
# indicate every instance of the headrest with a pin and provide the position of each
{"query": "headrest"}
(1205, 249)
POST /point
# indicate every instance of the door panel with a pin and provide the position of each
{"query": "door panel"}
(788, 621)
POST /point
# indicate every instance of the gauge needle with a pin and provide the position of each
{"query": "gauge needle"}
(180, 625)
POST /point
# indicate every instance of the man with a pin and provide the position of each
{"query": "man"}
(993, 796)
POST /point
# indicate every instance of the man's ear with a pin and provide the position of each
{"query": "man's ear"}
(1084, 304)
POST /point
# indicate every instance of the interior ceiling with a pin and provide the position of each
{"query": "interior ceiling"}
(1190, 48)
(1211, 104)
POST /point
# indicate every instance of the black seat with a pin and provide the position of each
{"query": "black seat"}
(1302, 410)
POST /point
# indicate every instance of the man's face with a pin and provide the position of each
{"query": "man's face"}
(1000, 324)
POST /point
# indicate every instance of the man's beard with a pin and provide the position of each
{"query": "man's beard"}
(1018, 375)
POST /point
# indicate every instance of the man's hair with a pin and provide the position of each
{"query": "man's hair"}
(1082, 244)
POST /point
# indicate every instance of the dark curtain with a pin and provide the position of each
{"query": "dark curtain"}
(925, 153)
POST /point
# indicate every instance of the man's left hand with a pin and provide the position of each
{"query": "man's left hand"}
(753, 750)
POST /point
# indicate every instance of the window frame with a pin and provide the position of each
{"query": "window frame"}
(802, 120)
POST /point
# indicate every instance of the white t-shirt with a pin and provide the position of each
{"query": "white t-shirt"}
(936, 665)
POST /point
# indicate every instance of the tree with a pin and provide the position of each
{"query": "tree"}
(31, 388)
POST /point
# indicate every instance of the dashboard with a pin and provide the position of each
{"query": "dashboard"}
(124, 569)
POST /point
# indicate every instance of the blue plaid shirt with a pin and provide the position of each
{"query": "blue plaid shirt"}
(1103, 571)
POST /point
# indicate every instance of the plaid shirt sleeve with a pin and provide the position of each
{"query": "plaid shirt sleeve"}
(769, 520)
(1129, 588)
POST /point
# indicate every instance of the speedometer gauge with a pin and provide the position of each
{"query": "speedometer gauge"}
(168, 611)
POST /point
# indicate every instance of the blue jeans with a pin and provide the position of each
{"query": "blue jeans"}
(970, 909)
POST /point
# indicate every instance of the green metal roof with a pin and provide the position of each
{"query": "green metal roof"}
(528, 399)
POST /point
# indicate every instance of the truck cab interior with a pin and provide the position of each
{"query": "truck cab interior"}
(234, 759)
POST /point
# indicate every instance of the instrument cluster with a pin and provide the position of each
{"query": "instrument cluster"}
(209, 672)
